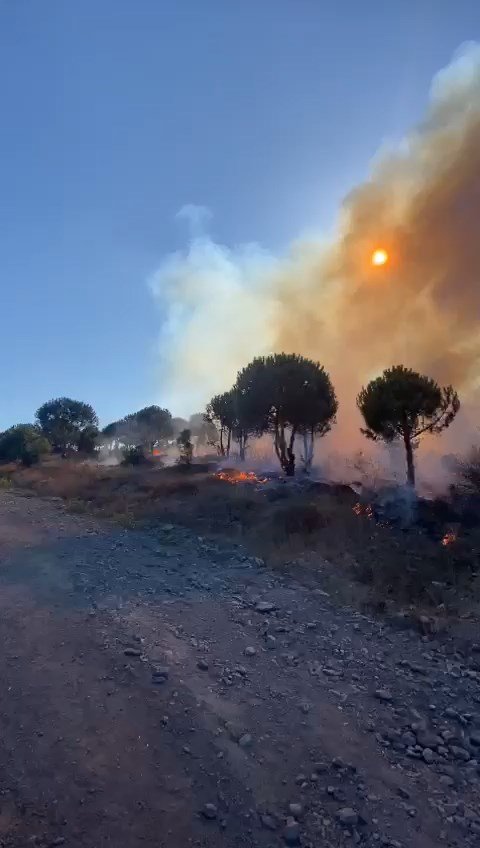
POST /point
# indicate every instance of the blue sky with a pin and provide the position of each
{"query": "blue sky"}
(115, 114)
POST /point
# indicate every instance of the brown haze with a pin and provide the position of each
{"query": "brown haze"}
(421, 309)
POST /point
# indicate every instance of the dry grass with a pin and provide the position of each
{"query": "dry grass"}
(316, 534)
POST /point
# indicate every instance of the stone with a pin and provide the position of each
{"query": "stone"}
(132, 652)
(428, 755)
(245, 740)
(418, 669)
(268, 822)
(448, 735)
(383, 695)
(475, 738)
(160, 675)
(320, 768)
(428, 740)
(202, 665)
(250, 651)
(265, 606)
(210, 812)
(234, 730)
(270, 642)
(451, 713)
(291, 832)
(459, 753)
(347, 816)
(295, 810)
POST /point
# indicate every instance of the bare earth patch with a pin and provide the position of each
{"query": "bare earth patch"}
(163, 689)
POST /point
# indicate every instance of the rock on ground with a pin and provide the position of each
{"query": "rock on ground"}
(117, 731)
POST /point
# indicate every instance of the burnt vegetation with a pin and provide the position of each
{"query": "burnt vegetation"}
(393, 549)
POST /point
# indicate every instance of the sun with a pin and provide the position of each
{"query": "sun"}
(379, 257)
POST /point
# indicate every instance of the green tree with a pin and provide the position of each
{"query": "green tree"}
(406, 405)
(23, 442)
(88, 440)
(231, 414)
(246, 421)
(287, 394)
(153, 426)
(62, 420)
(147, 428)
(109, 434)
(119, 433)
(221, 414)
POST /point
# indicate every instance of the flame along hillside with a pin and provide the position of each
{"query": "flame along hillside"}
(233, 476)
(389, 506)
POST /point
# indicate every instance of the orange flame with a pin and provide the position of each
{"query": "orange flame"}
(233, 476)
(363, 509)
(449, 538)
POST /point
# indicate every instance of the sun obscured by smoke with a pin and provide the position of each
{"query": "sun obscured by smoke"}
(421, 205)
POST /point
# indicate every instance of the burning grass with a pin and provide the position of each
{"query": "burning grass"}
(233, 476)
(321, 533)
(449, 538)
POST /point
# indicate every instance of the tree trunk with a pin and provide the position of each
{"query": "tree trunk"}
(222, 449)
(290, 457)
(281, 447)
(276, 442)
(410, 465)
(290, 463)
(307, 458)
(242, 446)
(229, 439)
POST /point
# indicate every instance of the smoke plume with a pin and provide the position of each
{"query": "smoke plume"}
(421, 203)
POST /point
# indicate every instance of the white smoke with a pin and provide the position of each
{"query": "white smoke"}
(218, 312)
(221, 306)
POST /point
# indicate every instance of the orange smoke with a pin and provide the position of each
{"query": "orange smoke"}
(419, 210)
(423, 198)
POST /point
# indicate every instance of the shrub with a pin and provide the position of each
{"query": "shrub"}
(469, 472)
(297, 518)
(134, 456)
(24, 443)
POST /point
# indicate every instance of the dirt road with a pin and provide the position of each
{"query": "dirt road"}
(160, 690)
